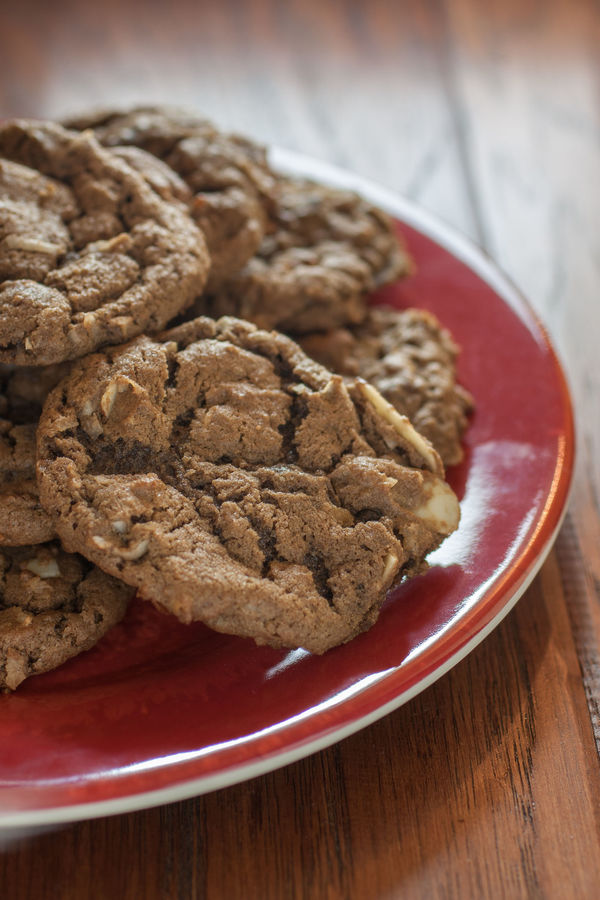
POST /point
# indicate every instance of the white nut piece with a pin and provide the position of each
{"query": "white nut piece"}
(122, 322)
(136, 551)
(120, 243)
(120, 384)
(402, 425)
(89, 320)
(93, 427)
(32, 245)
(45, 568)
(119, 526)
(390, 569)
(107, 401)
(440, 509)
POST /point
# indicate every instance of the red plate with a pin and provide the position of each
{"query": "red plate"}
(159, 711)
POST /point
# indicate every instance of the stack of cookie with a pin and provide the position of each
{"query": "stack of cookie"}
(157, 438)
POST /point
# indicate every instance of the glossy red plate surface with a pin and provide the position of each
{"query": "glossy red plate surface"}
(159, 711)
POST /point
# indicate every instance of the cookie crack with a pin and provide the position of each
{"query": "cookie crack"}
(172, 368)
(267, 544)
(320, 575)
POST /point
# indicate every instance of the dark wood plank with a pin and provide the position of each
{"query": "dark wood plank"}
(486, 785)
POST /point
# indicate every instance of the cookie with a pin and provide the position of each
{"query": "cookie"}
(411, 359)
(22, 519)
(235, 481)
(228, 175)
(161, 177)
(89, 254)
(22, 393)
(327, 249)
(53, 605)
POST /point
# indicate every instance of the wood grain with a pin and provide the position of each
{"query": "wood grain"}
(488, 784)
(532, 138)
(472, 790)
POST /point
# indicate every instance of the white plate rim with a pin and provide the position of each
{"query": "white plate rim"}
(478, 261)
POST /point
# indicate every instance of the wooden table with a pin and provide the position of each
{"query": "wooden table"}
(487, 784)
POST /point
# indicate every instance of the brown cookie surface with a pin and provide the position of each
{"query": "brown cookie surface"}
(22, 393)
(89, 254)
(53, 605)
(227, 175)
(161, 177)
(326, 250)
(233, 480)
(411, 359)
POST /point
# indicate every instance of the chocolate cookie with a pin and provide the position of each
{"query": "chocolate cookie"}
(411, 359)
(89, 253)
(22, 392)
(233, 480)
(53, 605)
(161, 177)
(327, 249)
(228, 175)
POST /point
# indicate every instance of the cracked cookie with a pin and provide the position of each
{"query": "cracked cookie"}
(22, 393)
(161, 177)
(228, 175)
(53, 605)
(325, 251)
(233, 480)
(89, 254)
(411, 359)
